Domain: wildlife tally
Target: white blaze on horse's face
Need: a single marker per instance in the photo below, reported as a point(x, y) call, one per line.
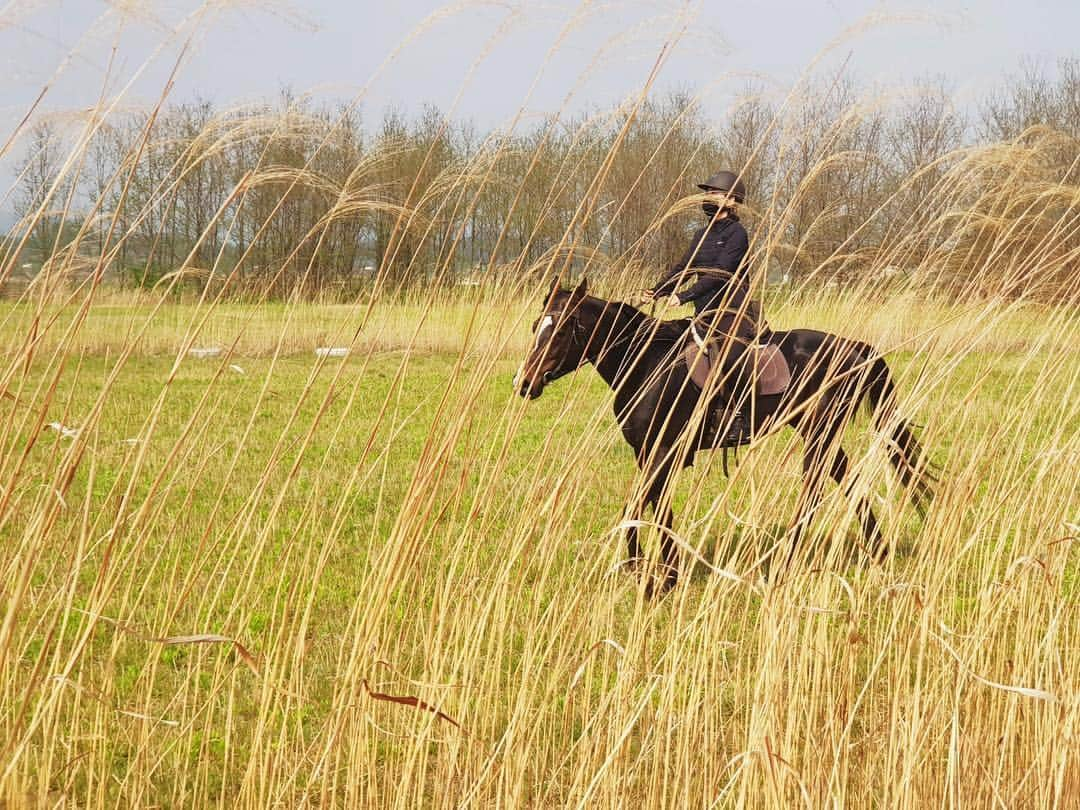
point(547, 323)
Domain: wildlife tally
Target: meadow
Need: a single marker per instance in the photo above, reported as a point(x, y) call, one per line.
point(238, 573)
point(265, 578)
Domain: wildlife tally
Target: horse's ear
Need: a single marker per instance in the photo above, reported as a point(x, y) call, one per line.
point(581, 290)
point(554, 285)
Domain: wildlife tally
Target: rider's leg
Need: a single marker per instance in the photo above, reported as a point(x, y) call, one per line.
point(737, 390)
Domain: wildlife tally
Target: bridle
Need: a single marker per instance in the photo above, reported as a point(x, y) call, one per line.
point(582, 337)
point(579, 329)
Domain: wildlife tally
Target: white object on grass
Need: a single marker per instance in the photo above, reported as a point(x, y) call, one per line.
point(64, 430)
point(237, 369)
point(331, 351)
point(208, 351)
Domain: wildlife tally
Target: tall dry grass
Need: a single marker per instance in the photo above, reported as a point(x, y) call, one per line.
point(385, 581)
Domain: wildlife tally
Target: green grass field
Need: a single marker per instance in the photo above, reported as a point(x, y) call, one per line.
point(238, 573)
point(329, 532)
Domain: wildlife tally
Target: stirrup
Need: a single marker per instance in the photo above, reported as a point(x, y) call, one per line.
point(738, 431)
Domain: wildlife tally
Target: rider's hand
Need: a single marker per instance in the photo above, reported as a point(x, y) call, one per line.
point(647, 296)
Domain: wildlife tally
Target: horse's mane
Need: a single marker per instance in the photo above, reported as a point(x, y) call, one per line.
point(669, 331)
point(655, 329)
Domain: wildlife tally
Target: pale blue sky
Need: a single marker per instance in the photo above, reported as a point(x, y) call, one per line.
point(246, 50)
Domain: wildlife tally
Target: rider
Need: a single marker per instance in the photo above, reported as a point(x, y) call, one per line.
point(724, 319)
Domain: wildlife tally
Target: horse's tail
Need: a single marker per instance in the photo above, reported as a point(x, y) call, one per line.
point(905, 452)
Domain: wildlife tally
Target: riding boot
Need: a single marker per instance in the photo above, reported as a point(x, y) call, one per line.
point(733, 416)
point(737, 424)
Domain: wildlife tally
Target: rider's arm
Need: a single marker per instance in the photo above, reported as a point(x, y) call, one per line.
point(723, 262)
point(675, 276)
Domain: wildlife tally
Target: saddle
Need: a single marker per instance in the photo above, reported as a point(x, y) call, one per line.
point(769, 369)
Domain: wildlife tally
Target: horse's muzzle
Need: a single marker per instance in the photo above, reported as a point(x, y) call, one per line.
point(532, 388)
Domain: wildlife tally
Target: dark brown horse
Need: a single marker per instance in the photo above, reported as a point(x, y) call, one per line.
point(657, 407)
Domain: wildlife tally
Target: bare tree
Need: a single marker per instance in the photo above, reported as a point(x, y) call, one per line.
point(37, 190)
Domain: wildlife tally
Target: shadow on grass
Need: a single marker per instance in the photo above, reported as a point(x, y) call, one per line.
point(771, 545)
point(756, 552)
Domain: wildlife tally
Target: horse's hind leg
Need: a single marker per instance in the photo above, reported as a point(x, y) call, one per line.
point(823, 454)
point(867, 521)
point(633, 547)
point(809, 498)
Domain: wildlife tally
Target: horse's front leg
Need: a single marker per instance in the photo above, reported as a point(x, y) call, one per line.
point(668, 550)
point(635, 514)
point(658, 476)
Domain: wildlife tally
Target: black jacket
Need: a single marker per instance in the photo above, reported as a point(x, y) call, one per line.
point(716, 257)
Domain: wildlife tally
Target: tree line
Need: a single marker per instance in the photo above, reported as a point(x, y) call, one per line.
point(294, 197)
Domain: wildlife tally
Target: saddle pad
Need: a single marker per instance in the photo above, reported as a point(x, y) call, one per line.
point(773, 374)
point(698, 363)
point(770, 368)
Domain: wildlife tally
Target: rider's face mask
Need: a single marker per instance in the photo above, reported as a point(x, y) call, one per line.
point(711, 206)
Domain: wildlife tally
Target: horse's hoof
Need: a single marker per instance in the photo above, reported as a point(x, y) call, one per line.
point(633, 564)
point(654, 592)
point(877, 551)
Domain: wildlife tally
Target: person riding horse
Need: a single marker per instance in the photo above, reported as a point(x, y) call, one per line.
point(725, 322)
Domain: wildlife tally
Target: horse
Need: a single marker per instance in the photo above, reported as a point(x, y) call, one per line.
point(657, 407)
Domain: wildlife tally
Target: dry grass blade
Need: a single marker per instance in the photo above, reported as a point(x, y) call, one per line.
point(1026, 691)
point(409, 700)
point(723, 573)
point(211, 638)
point(255, 375)
point(96, 695)
point(246, 656)
point(580, 671)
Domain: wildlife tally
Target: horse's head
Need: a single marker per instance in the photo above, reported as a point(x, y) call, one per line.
point(560, 340)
